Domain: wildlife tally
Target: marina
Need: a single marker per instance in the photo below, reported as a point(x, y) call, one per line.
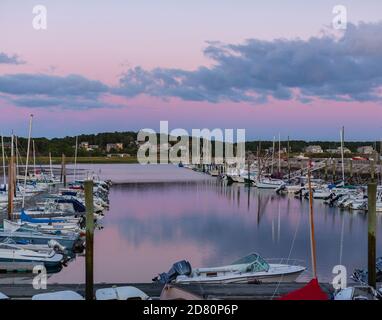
point(127, 223)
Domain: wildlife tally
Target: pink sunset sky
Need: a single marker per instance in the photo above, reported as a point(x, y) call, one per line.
point(267, 66)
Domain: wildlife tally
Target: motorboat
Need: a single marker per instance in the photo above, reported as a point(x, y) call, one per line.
point(269, 183)
point(249, 269)
point(362, 292)
point(26, 260)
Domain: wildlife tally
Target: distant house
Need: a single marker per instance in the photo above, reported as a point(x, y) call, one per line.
point(93, 147)
point(338, 150)
point(365, 150)
point(314, 149)
point(84, 145)
point(114, 146)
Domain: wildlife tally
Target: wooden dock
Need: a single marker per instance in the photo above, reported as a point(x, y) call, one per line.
point(266, 291)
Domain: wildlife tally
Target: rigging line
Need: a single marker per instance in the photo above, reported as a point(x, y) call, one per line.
point(290, 253)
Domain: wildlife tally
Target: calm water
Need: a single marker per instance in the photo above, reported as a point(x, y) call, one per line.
point(150, 225)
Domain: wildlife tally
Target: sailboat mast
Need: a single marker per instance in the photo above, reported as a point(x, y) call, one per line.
point(75, 159)
point(17, 157)
point(273, 153)
point(27, 160)
point(11, 186)
point(342, 132)
point(3, 155)
point(311, 222)
point(279, 154)
point(50, 164)
point(34, 159)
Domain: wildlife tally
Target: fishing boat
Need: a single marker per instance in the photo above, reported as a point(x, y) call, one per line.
point(249, 269)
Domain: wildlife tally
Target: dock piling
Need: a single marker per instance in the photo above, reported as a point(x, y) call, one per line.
point(371, 237)
point(89, 239)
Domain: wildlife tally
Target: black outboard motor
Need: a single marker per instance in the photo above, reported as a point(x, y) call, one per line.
point(182, 267)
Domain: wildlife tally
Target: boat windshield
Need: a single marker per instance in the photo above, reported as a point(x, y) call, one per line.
point(256, 261)
point(247, 259)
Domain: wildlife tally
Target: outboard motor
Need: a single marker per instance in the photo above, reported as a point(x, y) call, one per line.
point(182, 267)
point(56, 246)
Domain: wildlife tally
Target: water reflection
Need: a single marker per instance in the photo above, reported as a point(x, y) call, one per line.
point(151, 225)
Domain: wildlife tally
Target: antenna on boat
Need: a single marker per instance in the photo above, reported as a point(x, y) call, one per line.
point(342, 134)
point(27, 160)
point(311, 222)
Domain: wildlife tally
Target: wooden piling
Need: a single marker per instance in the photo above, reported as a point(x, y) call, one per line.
point(89, 239)
point(372, 218)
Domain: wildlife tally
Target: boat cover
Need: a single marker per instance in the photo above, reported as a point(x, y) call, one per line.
point(26, 218)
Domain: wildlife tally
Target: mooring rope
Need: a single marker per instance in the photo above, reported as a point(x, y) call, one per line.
point(290, 253)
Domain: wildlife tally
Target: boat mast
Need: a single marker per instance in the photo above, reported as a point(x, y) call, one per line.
point(11, 186)
point(3, 155)
point(75, 159)
point(273, 153)
point(311, 222)
point(34, 159)
point(342, 132)
point(17, 158)
point(27, 160)
point(50, 164)
point(279, 154)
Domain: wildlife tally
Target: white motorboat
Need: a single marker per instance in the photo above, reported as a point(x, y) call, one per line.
point(361, 292)
point(249, 269)
point(269, 183)
point(322, 194)
point(27, 259)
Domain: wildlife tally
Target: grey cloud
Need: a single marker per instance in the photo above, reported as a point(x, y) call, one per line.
point(49, 85)
point(348, 69)
point(41, 90)
point(7, 59)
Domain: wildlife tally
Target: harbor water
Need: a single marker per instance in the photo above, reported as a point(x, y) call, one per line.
point(160, 214)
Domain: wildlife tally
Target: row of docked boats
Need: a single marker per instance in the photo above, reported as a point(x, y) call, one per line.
point(341, 195)
point(52, 231)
